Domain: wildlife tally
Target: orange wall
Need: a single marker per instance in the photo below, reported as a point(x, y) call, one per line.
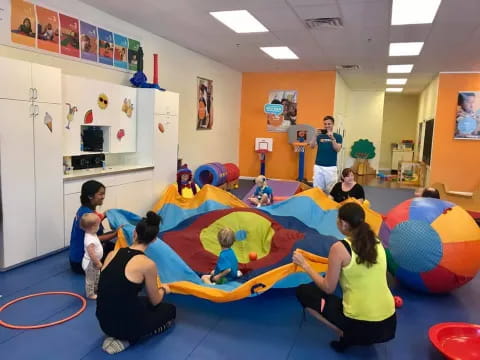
point(316, 93)
point(454, 162)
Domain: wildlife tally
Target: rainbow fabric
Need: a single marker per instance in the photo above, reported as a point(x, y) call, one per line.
point(187, 246)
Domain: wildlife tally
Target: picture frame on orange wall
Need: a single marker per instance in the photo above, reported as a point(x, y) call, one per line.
point(281, 122)
point(467, 117)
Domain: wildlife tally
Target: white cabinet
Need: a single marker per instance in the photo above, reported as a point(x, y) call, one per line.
point(400, 155)
point(30, 161)
point(31, 180)
point(98, 103)
point(130, 191)
point(157, 135)
point(18, 76)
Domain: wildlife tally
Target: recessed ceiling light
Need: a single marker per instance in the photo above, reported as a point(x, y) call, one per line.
point(406, 12)
point(279, 52)
point(405, 49)
point(394, 90)
point(240, 21)
point(399, 69)
point(396, 81)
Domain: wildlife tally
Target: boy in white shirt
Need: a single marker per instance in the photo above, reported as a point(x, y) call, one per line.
point(91, 263)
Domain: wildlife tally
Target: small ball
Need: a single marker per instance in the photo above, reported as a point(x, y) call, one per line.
point(398, 301)
point(252, 256)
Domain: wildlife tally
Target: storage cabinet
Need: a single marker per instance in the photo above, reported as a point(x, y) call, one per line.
point(400, 155)
point(130, 191)
point(30, 162)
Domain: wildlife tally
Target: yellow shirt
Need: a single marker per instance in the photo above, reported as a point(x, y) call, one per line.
point(366, 295)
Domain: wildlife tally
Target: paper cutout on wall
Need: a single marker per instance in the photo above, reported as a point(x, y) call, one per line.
point(71, 114)
point(161, 127)
point(23, 23)
point(120, 134)
point(127, 107)
point(48, 120)
point(102, 101)
point(88, 118)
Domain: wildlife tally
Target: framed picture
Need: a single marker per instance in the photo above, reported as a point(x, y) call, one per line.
point(467, 117)
point(287, 98)
point(204, 104)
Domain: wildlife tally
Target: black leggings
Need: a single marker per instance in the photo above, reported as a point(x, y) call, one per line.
point(355, 332)
point(155, 320)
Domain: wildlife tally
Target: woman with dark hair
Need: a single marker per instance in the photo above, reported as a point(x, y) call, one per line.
point(366, 314)
point(347, 188)
point(91, 196)
point(124, 316)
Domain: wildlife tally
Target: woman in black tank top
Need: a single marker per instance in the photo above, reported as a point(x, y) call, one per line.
point(124, 316)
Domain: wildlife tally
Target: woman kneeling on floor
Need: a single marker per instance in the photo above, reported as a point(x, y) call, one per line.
point(124, 316)
point(366, 314)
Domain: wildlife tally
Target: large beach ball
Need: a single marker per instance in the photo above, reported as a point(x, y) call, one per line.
point(432, 245)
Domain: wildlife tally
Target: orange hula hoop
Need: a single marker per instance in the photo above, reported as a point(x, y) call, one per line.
point(31, 327)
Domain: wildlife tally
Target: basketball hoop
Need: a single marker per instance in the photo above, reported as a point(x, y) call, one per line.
point(299, 146)
point(261, 153)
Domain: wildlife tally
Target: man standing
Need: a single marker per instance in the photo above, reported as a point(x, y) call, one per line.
point(329, 144)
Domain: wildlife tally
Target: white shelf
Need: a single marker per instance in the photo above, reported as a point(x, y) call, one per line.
point(78, 174)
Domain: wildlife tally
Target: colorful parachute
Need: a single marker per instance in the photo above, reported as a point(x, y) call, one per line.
point(188, 245)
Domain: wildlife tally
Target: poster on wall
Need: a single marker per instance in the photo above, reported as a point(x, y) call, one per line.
point(47, 29)
point(69, 36)
point(204, 104)
point(281, 122)
point(121, 48)
point(105, 46)
point(23, 23)
point(88, 41)
point(133, 46)
point(467, 123)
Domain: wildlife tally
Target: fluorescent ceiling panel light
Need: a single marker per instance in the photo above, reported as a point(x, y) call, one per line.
point(279, 52)
point(240, 21)
point(396, 81)
point(405, 49)
point(394, 90)
point(399, 69)
point(406, 12)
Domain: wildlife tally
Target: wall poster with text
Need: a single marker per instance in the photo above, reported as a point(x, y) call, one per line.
point(204, 104)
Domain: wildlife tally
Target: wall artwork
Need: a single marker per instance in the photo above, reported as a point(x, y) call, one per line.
point(23, 23)
point(88, 41)
point(48, 29)
point(48, 121)
point(281, 122)
point(133, 46)
point(105, 47)
point(204, 104)
point(467, 123)
point(69, 36)
point(121, 49)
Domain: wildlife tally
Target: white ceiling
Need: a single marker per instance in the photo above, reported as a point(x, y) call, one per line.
point(451, 42)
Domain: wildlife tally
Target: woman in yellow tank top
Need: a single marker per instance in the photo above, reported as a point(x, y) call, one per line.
point(366, 313)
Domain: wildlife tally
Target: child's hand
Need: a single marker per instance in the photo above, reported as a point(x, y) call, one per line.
point(99, 265)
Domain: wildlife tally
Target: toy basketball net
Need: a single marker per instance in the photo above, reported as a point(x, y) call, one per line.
point(299, 146)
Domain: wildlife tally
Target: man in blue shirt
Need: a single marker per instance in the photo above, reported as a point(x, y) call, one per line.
point(329, 144)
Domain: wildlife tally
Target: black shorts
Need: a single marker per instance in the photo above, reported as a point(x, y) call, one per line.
point(355, 332)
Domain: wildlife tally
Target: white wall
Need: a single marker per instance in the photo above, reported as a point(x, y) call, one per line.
point(399, 123)
point(340, 112)
point(178, 71)
point(364, 121)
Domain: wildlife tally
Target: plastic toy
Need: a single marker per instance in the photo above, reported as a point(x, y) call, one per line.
point(459, 341)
